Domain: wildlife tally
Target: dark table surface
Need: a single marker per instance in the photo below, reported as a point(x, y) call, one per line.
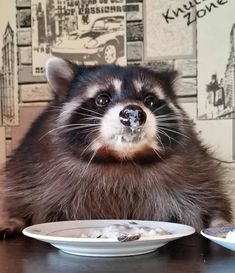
point(192, 254)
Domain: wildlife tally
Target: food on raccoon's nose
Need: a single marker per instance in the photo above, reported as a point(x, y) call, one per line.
point(124, 232)
point(132, 116)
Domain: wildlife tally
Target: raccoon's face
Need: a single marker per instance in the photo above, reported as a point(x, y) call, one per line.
point(111, 112)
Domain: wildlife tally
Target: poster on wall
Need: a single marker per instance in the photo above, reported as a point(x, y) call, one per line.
point(170, 42)
point(170, 36)
point(216, 61)
point(85, 31)
point(8, 65)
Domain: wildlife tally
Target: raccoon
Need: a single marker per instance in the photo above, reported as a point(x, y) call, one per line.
point(113, 144)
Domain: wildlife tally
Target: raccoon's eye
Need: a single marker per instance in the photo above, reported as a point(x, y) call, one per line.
point(102, 99)
point(151, 101)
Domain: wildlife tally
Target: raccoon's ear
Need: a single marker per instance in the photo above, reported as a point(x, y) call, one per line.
point(171, 76)
point(59, 74)
point(172, 79)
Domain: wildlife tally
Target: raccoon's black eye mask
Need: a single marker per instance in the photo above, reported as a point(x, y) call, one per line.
point(103, 99)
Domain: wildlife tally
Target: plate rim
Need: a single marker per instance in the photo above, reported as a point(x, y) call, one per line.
point(50, 238)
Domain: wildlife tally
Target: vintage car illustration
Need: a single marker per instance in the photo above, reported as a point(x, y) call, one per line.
point(104, 42)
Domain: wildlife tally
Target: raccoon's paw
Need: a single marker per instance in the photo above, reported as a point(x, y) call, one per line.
point(11, 228)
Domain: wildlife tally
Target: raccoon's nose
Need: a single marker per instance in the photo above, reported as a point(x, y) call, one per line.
point(132, 116)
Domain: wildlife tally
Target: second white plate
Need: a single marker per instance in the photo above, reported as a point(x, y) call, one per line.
point(214, 234)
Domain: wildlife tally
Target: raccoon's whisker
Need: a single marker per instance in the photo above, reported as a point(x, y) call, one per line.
point(159, 108)
point(93, 155)
point(165, 134)
point(93, 125)
point(169, 116)
point(167, 124)
point(173, 131)
point(87, 166)
point(167, 119)
point(83, 125)
point(169, 137)
point(76, 111)
point(90, 131)
point(90, 144)
point(165, 128)
point(179, 143)
point(170, 124)
point(159, 131)
point(92, 111)
point(170, 121)
point(159, 139)
point(173, 123)
point(88, 115)
point(79, 127)
point(87, 147)
point(95, 120)
point(56, 107)
point(53, 110)
point(89, 119)
point(47, 133)
point(181, 127)
point(65, 126)
point(78, 124)
point(157, 153)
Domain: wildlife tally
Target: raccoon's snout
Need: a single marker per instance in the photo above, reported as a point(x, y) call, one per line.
point(132, 116)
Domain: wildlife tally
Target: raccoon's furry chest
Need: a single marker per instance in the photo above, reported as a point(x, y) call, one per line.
point(124, 191)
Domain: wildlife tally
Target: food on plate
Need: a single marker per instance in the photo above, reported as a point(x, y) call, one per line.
point(226, 232)
point(124, 232)
point(231, 235)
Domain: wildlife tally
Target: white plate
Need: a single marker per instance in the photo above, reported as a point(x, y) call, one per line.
point(214, 234)
point(64, 235)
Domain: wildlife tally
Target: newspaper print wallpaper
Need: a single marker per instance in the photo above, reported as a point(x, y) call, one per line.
point(194, 37)
point(74, 30)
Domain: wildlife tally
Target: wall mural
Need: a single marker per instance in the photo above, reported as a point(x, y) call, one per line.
point(88, 33)
point(8, 66)
point(216, 63)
